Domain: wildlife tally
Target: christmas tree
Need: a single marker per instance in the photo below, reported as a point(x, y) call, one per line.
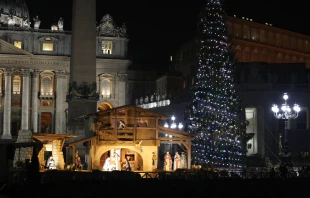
point(215, 108)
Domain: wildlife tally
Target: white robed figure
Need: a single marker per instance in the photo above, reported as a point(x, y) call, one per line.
point(51, 163)
point(183, 161)
point(177, 161)
point(107, 165)
point(113, 162)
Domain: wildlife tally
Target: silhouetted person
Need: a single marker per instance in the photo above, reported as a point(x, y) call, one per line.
point(272, 173)
point(308, 171)
point(33, 173)
point(283, 171)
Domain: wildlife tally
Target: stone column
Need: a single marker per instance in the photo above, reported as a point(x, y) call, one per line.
point(1, 102)
point(83, 42)
point(34, 101)
point(58, 154)
point(7, 105)
point(98, 81)
point(39, 120)
point(52, 129)
point(25, 100)
point(82, 61)
point(60, 96)
point(122, 79)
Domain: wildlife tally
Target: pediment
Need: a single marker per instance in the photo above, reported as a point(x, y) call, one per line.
point(7, 48)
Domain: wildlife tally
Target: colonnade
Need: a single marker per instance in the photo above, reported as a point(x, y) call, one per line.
point(29, 100)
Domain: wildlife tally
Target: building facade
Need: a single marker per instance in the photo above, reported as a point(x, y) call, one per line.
point(35, 68)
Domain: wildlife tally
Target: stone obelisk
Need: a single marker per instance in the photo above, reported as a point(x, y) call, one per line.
point(82, 97)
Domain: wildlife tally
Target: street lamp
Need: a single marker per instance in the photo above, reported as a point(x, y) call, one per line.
point(173, 124)
point(286, 113)
point(180, 126)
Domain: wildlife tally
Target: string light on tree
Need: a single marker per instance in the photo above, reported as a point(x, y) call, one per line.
point(214, 112)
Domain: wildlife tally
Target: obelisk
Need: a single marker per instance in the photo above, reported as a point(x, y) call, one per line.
point(82, 98)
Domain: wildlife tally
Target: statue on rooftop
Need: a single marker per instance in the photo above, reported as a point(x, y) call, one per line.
point(123, 30)
point(37, 22)
point(26, 23)
point(10, 20)
point(60, 24)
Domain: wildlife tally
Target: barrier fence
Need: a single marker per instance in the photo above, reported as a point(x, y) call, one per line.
point(55, 176)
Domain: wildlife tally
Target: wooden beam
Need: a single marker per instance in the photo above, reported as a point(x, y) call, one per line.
point(186, 146)
point(170, 142)
point(134, 124)
point(166, 130)
point(172, 138)
point(143, 117)
point(141, 128)
point(81, 141)
point(189, 155)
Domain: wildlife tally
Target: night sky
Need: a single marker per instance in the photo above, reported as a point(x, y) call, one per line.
point(156, 29)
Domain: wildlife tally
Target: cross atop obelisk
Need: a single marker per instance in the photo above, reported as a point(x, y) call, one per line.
point(82, 97)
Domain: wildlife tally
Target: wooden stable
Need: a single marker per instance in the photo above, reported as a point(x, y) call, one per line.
point(52, 144)
point(139, 138)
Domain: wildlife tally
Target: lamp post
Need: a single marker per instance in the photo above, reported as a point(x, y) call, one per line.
point(286, 113)
point(173, 124)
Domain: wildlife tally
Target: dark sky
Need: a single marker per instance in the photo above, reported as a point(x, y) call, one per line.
point(156, 29)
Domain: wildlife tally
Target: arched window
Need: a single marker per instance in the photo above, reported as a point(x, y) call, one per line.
point(105, 88)
point(46, 85)
point(16, 85)
point(238, 53)
point(264, 56)
point(247, 55)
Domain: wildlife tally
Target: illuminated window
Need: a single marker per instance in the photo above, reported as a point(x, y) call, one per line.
point(46, 103)
point(105, 88)
point(18, 44)
point(47, 38)
point(16, 102)
point(48, 47)
point(107, 47)
point(251, 128)
point(46, 86)
point(254, 34)
point(16, 85)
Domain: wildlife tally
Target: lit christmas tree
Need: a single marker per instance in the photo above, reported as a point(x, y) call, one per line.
point(213, 115)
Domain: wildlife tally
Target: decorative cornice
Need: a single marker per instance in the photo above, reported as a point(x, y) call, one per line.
point(35, 73)
point(8, 72)
point(25, 72)
point(9, 61)
point(122, 77)
point(61, 74)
